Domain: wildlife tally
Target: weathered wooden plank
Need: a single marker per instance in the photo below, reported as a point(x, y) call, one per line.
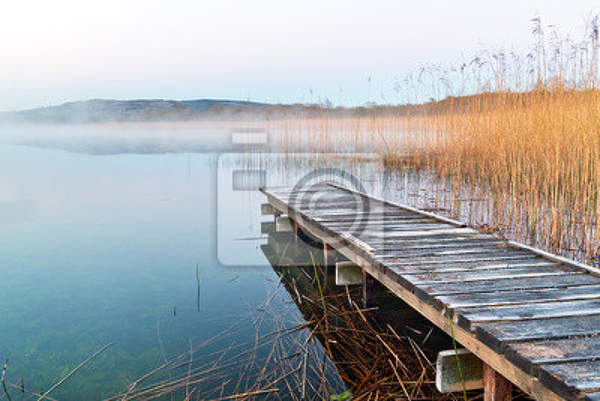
point(467, 317)
point(571, 380)
point(312, 188)
point(399, 206)
point(460, 266)
point(318, 204)
point(529, 355)
point(499, 258)
point(499, 274)
point(426, 241)
point(417, 233)
point(521, 296)
point(375, 216)
point(344, 211)
point(417, 246)
point(408, 253)
point(324, 196)
point(379, 227)
point(348, 208)
point(301, 198)
point(559, 281)
point(330, 195)
point(368, 221)
point(498, 335)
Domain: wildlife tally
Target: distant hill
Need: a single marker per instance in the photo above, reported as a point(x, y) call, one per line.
point(98, 110)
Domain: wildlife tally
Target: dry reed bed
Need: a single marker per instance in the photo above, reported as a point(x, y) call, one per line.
point(514, 146)
point(534, 158)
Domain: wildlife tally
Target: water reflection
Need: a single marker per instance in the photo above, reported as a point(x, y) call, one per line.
point(108, 243)
point(385, 350)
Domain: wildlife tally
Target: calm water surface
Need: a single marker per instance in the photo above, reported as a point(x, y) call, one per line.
point(103, 244)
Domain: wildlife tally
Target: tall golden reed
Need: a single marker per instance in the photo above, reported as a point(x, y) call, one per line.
point(522, 131)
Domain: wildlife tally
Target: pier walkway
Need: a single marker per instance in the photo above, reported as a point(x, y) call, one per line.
point(533, 318)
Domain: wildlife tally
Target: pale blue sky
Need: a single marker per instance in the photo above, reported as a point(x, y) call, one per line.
point(263, 50)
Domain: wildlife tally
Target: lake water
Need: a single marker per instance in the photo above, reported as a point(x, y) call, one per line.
point(140, 244)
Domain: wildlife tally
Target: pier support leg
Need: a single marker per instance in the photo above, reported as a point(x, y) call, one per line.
point(369, 286)
point(296, 229)
point(328, 262)
point(328, 256)
point(495, 386)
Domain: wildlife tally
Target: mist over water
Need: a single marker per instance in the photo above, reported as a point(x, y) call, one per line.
point(101, 229)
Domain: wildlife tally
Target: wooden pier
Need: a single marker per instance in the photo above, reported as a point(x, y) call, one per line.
point(531, 317)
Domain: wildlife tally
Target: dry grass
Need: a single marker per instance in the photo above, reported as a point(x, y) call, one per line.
point(536, 156)
point(519, 134)
point(337, 350)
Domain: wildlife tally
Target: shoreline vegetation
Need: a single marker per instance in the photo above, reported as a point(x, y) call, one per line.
point(525, 144)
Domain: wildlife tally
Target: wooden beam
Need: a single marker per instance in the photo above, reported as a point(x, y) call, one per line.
point(283, 224)
point(348, 273)
point(328, 255)
point(495, 386)
point(449, 378)
point(369, 294)
point(267, 209)
point(267, 227)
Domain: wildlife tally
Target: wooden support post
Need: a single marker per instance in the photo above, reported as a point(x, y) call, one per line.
point(328, 263)
point(328, 256)
point(495, 386)
point(296, 229)
point(369, 296)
